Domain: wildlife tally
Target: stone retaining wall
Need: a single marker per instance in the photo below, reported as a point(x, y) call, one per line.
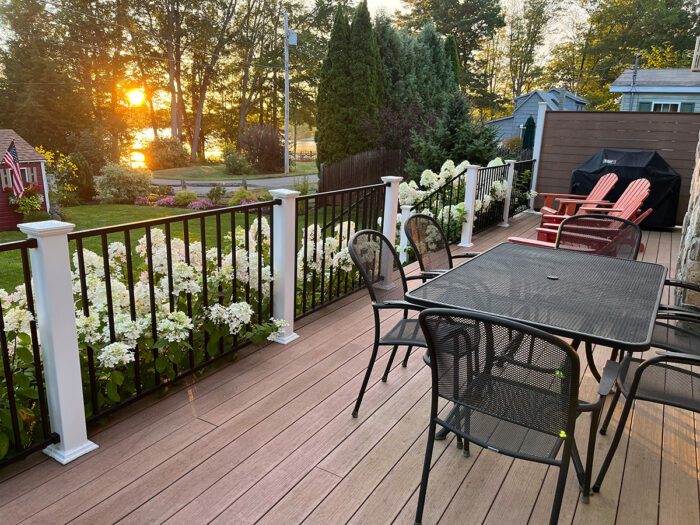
point(689, 256)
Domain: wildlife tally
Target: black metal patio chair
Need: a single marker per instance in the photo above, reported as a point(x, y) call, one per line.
point(663, 378)
point(600, 235)
point(430, 245)
point(515, 390)
point(382, 272)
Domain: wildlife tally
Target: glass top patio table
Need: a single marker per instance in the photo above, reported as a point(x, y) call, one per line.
point(580, 296)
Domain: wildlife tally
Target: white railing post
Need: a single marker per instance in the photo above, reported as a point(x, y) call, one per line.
point(537, 148)
point(469, 198)
point(284, 254)
point(391, 206)
point(403, 242)
point(509, 193)
point(55, 311)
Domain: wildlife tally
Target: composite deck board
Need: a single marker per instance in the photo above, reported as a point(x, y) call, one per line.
point(269, 439)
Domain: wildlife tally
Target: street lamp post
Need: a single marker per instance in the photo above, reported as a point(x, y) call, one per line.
point(290, 39)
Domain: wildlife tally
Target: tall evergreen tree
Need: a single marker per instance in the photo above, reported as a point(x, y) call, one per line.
point(366, 81)
point(38, 98)
point(334, 95)
point(434, 72)
point(453, 56)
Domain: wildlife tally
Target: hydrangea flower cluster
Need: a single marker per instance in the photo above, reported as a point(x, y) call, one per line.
point(322, 251)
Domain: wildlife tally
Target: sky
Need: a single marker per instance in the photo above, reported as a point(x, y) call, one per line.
point(389, 6)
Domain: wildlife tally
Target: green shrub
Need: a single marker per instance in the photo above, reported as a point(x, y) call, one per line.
point(513, 143)
point(184, 197)
point(36, 216)
point(86, 178)
point(240, 196)
point(235, 164)
point(217, 193)
point(165, 153)
point(302, 185)
point(163, 190)
point(122, 185)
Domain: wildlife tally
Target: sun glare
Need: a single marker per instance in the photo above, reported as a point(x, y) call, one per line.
point(137, 160)
point(135, 97)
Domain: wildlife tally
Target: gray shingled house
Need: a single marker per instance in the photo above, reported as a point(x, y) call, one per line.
point(557, 99)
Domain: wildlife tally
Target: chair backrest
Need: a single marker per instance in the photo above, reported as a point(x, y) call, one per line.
point(503, 369)
point(379, 265)
point(600, 235)
point(632, 199)
point(601, 189)
point(428, 242)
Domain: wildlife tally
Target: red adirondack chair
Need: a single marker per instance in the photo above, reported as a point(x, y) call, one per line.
point(628, 206)
point(568, 202)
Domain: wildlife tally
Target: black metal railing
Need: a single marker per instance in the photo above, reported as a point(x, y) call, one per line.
point(160, 299)
point(445, 197)
point(24, 419)
point(490, 208)
point(522, 183)
point(325, 222)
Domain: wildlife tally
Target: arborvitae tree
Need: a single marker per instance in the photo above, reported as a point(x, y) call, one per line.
point(434, 73)
point(398, 60)
point(335, 95)
point(456, 136)
point(452, 56)
point(366, 81)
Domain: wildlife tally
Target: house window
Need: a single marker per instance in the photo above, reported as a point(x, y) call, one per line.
point(666, 107)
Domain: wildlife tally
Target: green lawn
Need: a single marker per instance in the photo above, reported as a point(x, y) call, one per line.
point(218, 172)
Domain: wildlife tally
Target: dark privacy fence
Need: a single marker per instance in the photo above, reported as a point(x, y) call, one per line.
point(362, 169)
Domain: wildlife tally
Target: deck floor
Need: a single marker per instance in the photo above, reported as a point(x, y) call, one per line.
point(270, 439)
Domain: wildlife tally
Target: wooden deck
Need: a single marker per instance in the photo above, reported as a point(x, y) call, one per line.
point(270, 439)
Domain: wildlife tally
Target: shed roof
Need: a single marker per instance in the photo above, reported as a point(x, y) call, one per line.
point(671, 80)
point(25, 151)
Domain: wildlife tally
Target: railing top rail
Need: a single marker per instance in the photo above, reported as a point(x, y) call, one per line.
point(500, 167)
point(17, 245)
point(441, 188)
point(173, 218)
point(337, 192)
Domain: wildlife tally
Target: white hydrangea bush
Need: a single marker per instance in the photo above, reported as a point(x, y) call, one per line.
point(324, 263)
point(150, 321)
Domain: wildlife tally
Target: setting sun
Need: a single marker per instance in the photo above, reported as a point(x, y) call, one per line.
point(136, 97)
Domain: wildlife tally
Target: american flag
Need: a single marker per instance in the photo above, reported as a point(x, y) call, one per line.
point(12, 160)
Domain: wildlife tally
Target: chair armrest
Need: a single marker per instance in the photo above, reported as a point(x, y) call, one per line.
point(565, 195)
point(682, 284)
point(402, 305)
point(421, 276)
point(680, 357)
point(577, 201)
point(679, 315)
point(467, 255)
point(604, 210)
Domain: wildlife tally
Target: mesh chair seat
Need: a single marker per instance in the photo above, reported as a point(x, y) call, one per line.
point(664, 383)
point(675, 338)
point(405, 332)
point(501, 396)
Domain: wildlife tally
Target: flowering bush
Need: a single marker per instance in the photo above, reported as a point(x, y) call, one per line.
point(160, 334)
point(324, 262)
point(165, 202)
point(62, 177)
point(30, 201)
point(142, 201)
point(201, 204)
